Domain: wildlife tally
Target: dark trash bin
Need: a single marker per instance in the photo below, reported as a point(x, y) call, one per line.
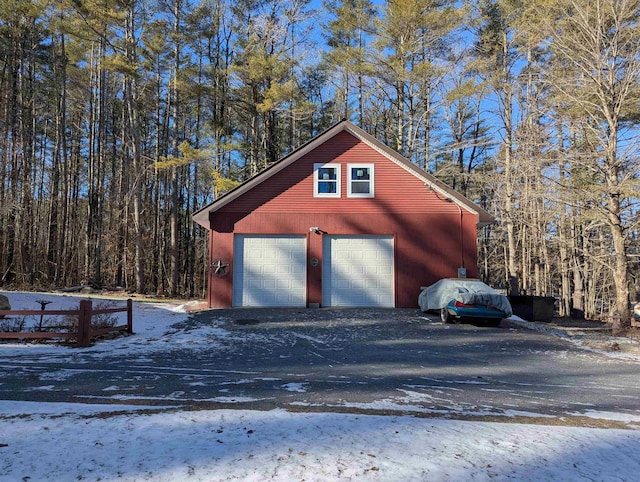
point(533, 308)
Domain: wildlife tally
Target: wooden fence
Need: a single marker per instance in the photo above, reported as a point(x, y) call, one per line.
point(85, 331)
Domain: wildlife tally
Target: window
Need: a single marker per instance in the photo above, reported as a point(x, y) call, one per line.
point(360, 182)
point(326, 180)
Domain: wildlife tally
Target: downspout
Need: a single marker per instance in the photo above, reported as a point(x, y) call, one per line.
point(462, 265)
point(209, 273)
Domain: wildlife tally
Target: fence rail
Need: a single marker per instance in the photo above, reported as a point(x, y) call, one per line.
point(85, 332)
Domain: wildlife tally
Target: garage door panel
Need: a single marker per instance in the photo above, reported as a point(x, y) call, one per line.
point(284, 284)
point(373, 270)
point(255, 284)
point(358, 271)
point(357, 284)
point(269, 271)
point(267, 284)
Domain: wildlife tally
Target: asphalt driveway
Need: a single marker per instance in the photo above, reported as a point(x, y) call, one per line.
point(370, 360)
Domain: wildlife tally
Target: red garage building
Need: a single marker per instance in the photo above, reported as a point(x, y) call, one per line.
point(341, 221)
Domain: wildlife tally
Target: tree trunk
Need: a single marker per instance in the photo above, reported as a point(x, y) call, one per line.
point(174, 249)
point(134, 135)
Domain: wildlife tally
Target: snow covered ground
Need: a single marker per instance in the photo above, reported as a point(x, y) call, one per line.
point(84, 444)
point(65, 442)
point(152, 326)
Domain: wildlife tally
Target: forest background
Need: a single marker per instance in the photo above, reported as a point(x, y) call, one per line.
point(120, 118)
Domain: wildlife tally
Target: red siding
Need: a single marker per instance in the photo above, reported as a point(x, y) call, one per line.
point(433, 236)
point(395, 189)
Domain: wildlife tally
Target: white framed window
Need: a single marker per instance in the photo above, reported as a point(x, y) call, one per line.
point(360, 181)
point(326, 180)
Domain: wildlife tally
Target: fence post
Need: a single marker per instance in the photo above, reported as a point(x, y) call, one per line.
point(84, 324)
point(130, 316)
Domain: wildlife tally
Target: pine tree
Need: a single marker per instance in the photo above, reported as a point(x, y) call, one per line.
point(348, 58)
point(413, 40)
point(264, 67)
point(498, 52)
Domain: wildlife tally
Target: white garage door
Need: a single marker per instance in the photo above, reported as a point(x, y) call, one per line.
point(269, 271)
point(357, 271)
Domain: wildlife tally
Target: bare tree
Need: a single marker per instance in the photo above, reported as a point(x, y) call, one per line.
point(597, 47)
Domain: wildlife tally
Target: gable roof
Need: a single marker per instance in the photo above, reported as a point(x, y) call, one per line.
point(202, 216)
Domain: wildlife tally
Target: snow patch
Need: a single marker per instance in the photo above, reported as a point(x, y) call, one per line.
point(618, 417)
point(277, 445)
point(296, 387)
